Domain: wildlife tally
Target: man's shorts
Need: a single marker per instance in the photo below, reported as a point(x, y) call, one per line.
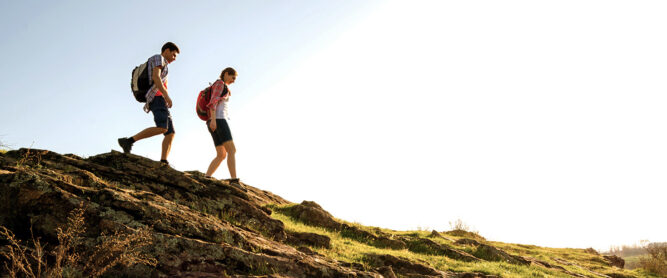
point(161, 114)
point(222, 133)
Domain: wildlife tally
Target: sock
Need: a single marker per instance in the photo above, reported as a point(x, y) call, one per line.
point(131, 140)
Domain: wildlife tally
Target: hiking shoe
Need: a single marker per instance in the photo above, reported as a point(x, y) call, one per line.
point(237, 183)
point(164, 163)
point(125, 144)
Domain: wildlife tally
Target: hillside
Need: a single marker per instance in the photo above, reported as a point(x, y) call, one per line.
point(180, 224)
point(633, 255)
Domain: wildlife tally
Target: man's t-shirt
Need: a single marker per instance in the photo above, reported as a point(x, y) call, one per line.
point(154, 61)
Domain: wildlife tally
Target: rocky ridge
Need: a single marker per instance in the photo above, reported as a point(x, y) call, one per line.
point(202, 227)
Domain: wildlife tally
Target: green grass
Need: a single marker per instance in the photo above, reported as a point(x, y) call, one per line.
point(349, 249)
point(632, 262)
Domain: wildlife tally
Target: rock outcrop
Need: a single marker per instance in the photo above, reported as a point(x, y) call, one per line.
point(426, 246)
point(199, 227)
point(491, 253)
point(436, 234)
point(313, 214)
point(403, 266)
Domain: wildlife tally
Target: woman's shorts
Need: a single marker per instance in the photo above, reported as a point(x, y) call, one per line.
point(222, 133)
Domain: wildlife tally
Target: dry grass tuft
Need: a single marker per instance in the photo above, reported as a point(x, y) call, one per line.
point(20, 258)
point(461, 229)
point(121, 248)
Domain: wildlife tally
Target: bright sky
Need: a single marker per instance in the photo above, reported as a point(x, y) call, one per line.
point(535, 122)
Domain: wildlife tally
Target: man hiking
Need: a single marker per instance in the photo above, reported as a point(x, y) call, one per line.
point(157, 101)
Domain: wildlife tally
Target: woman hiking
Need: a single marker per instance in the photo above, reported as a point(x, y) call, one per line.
point(219, 128)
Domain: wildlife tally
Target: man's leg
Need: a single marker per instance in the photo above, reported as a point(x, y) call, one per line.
point(166, 145)
point(231, 157)
point(126, 143)
point(168, 138)
point(162, 125)
point(220, 154)
point(149, 132)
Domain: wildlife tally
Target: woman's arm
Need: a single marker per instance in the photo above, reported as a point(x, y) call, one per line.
point(212, 124)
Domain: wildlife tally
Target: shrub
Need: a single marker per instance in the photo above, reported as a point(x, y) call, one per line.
point(3, 148)
point(656, 260)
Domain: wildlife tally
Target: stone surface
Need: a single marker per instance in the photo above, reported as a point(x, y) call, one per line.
point(553, 266)
point(370, 238)
point(427, 246)
point(491, 253)
point(199, 227)
point(403, 266)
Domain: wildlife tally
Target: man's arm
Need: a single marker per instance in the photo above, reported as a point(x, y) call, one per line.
point(158, 82)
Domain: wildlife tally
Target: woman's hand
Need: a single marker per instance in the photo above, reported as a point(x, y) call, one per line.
point(213, 125)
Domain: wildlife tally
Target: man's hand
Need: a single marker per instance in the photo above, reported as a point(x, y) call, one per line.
point(213, 125)
point(160, 86)
point(168, 100)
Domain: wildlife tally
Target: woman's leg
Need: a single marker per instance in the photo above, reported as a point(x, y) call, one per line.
point(231, 159)
point(220, 154)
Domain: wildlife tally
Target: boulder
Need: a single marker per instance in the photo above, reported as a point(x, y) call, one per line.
point(310, 239)
point(312, 214)
point(614, 260)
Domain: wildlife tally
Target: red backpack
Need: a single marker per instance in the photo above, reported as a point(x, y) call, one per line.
point(204, 99)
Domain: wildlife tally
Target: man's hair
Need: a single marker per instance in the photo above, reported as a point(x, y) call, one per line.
point(229, 71)
point(171, 46)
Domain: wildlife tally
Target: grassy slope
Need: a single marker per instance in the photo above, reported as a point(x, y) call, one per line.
point(350, 250)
